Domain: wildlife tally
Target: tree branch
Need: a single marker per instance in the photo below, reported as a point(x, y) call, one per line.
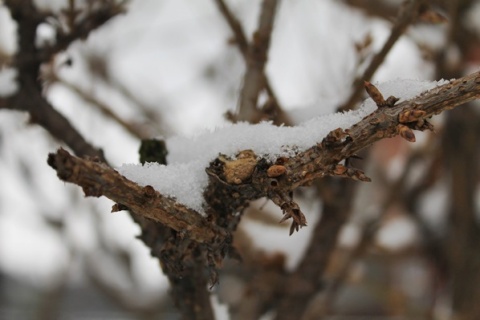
point(98, 179)
point(226, 196)
point(248, 52)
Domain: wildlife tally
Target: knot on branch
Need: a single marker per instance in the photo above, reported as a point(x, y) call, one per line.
point(240, 169)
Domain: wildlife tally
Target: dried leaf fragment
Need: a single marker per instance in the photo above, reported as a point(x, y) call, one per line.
point(290, 210)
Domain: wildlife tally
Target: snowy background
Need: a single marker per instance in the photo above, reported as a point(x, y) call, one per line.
point(171, 58)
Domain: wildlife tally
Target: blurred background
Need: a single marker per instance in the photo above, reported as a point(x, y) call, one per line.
point(408, 246)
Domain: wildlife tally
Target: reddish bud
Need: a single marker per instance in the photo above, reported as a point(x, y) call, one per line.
point(375, 94)
point(406, 133)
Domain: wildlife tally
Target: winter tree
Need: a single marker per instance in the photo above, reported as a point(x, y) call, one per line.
point(263, 159)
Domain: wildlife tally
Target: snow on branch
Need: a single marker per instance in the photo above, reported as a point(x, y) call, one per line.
point(185, 179)
point(270, 161)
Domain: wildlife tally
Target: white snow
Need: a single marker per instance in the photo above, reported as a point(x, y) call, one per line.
point(46, 35)
point(8, 41)
point(184, 177)
point(28, 243)
point(397, 233)
point(8, 82)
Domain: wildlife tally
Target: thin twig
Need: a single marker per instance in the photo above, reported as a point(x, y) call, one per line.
point(236, 27)
point(106, 110)
point(254, 80)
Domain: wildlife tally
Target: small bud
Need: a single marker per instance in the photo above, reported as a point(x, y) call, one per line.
point(149, 191)
point(339, 169)
point(391, 101)
point(357, 175)
point(406, 133)
point(276, 171)
point(375, 94)
point(411, 116)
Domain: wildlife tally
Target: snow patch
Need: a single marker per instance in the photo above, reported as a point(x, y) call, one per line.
point(8, 83)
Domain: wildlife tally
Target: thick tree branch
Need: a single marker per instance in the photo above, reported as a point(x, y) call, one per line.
point(98, 179)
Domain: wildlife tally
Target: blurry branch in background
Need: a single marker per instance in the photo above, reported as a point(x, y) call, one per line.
point(255, 56)
point(383, 9)
point(99, 67)
point(395, 191)
point(77, 23)
point(460, 160)
point(254, 81)
point(28, 59)
point(134, 129)
point(407, 15)
point(30, 96)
